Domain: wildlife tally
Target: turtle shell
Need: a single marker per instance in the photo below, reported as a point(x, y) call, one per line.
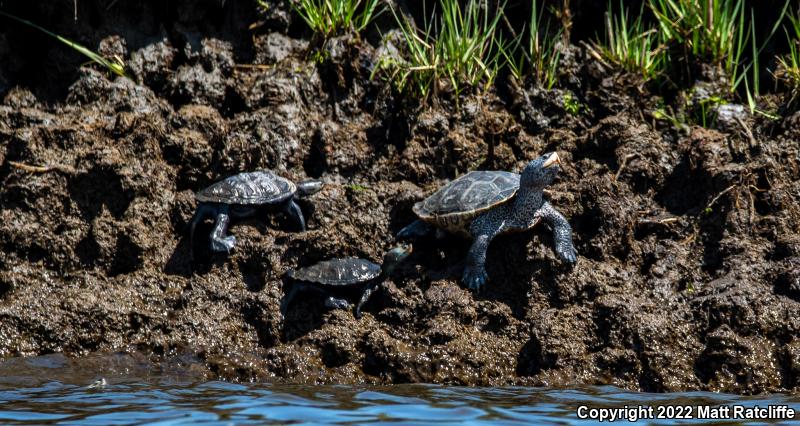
point(454, 205)
point(253, 188)
point(338, 272)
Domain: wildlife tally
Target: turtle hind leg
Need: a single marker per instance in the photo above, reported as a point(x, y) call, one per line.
point(562, 233)
point(299, 286)
point(220, 242)
point(293, 211)
point(416, 230)
point(289, 297)
point(365, 295)
point(475, 275)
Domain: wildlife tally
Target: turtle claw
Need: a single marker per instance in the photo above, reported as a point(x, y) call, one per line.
point(223, 245)
point(475, 278)
point(336, 303)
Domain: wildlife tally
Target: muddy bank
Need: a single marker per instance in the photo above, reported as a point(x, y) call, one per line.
point(688, 241)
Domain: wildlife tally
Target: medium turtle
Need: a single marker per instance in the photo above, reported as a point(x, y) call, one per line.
point(245, 195)
point(484, 204)
point(341, 276)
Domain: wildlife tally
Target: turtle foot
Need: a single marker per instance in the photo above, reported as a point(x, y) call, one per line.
point(336, 303)
point(567, 254)
point(475, 278)
point(223, 245)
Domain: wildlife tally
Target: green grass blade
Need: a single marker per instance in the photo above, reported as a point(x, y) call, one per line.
point(114, 66)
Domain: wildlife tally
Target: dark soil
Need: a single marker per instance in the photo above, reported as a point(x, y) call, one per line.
point(689, 241)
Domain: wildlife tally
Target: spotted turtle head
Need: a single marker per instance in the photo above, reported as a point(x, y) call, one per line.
point(541, 171)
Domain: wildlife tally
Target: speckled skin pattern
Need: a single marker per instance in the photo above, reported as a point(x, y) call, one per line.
point(520, 212)
point(328, 275)
point(245, 195)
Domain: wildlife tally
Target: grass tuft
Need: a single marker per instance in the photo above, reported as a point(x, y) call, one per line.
point(714, 32)
point(540, 56)
point(460, 51)
point(789, 65)
point(752, 82)
point(630, 44)
point(114, 65)
point(709, 30)
point(334, 17)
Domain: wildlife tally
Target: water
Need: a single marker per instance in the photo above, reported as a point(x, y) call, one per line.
point(38, 391)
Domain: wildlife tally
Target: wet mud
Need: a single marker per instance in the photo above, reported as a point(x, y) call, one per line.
point(689, 239)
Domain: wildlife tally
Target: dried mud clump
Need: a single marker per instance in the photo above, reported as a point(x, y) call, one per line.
point(689, 255)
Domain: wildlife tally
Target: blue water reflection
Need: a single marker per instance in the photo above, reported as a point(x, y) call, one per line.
point(153, 400)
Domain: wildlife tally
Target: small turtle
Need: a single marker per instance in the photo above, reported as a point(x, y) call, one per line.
point(484, 204)
point(349, 275)
point(245, 195)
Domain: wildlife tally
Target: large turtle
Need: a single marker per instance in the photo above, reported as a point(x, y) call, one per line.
point(336, 277)
point(484, 204)
point(245, 195)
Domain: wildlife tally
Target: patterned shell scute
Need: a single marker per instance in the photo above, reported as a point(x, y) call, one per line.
point(339, 272)
point(475, 190)
point(263, 187)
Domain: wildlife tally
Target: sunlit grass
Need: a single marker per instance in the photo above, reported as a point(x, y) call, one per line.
point(538, 56)
point(630, 44)
point(458, 50)
point(714, 32)
point(789, 64)
point(333, 17)
point(709, 30)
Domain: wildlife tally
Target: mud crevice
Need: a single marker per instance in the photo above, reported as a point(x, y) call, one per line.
point(98, 188)
point(127, 257)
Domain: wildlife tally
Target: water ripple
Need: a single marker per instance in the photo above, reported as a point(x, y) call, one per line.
point(144, 403)
point(55, 390)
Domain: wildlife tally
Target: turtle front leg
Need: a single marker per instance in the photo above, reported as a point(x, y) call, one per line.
point(294, 212)
point(365, 297)
point(562, 233)
point(221, 243)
